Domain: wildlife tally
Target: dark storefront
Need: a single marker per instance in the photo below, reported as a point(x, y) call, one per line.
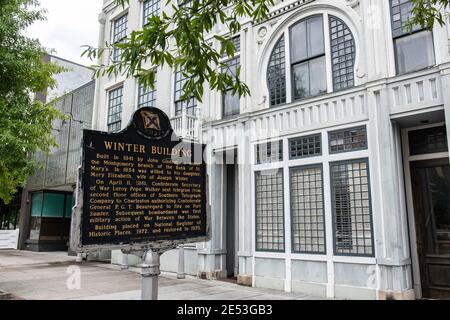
point(50, 221)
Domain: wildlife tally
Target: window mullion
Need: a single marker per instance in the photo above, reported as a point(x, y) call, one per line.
point(328, 64)
point(288, 67)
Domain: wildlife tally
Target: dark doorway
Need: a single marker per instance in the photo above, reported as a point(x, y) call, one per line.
point(431, 191)
point(231, 217)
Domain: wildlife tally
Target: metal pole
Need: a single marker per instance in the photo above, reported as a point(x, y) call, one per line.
point(150, 272)
point(181, 273)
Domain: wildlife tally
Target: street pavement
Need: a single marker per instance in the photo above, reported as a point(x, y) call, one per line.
point(56, 276)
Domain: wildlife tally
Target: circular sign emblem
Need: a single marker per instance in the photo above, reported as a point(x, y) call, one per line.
point(152, 123)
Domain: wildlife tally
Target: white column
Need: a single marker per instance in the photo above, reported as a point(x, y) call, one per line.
point(388, 208)
point(97, 112)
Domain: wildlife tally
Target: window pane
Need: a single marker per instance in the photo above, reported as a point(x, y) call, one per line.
point(269, 211)
point(427, 141)
point(299, 49)
point(69, 205)
point(147, 96)
point(414, 52)
point(307, 39)
point(342, 54)
point(269, 152)
point(276, 74)
point(120, 28)
point(308, 214)
point(151, 8)
point(316, 44)
point(231, 104)
point(352, 216)
point(401, 12)
point(53, 205)
point(305, 146)
point(237, 43)
point(348, 140)
point(37, 199)
point(300, 76)
point(318, 82)
point(310, 78)
point(190, 104)
point(115, 110)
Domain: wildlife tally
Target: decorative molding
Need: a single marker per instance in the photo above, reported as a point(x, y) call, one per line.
point(352, 3)
point(282, 10)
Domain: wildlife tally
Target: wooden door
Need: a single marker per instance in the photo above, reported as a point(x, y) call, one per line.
point(431, 188)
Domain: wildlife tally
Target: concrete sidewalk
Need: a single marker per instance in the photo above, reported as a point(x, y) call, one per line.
point(53, 276)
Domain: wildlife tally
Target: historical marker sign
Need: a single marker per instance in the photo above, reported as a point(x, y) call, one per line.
point(142, 188)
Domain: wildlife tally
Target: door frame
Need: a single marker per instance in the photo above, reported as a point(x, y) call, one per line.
point(417, 214)
point(407, 160)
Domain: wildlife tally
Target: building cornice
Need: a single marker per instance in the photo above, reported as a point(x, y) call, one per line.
point(285, 9)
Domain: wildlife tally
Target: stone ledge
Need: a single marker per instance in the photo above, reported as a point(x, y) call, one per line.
point(396, 295)
point(212, 275)
point(244, 280)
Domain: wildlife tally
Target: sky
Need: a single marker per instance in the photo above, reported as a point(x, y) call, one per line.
point(70, 24)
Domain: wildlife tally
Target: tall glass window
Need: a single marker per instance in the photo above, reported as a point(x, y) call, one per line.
point(150, 8)
point(269, 211)
point(119, 33)
point(352, 215)
point(190, 105)
point(230, 101)
point(414, 48)
point(147, 96)
point(308, 58)
point(115, 109)
point(307, 209)
point(276, 74)
point(342, 54)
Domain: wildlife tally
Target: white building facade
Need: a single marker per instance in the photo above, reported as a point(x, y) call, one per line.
point(332, 178)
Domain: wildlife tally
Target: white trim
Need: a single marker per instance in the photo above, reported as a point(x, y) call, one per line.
point(117, 15)
point(287, 215)
point(430, 156)
point(107, 92)
point(253, 222)
point(288, 71)
point(329, 235)
point(327, 43)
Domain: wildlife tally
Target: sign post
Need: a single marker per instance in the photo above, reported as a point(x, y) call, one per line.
point(150, 272)
point(141, 189)
point(181, 273)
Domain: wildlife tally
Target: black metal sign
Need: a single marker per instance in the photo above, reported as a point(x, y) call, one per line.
point(141, 188)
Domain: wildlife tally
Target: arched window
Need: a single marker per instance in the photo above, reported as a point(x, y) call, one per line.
point(276, 74)
point(309, 60)
point(342, 54)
